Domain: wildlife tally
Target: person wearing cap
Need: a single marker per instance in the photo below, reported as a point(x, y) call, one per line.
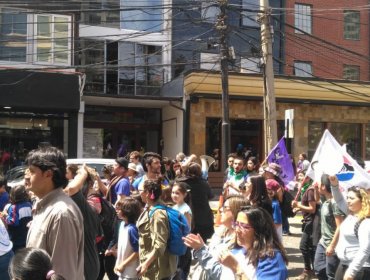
point(273, 171)
point(272, 187)
point(119, 186)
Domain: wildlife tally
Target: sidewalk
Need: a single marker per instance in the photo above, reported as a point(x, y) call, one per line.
point(291, 244)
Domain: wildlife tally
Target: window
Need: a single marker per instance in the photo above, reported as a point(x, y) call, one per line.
point(367, 141)
point(147, 17)
point(210, 61)
point(140, 70)
point(210, 11)
point(351, 72)
point(250, 18)
point(352, 25)
point(250, 65)
point(49, 39)
point(302, 18)
point(13, 36)
point(302, 69)
point(52, 39)
point(344, 133)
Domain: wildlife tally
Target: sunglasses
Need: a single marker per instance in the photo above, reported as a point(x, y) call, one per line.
point(241, 225)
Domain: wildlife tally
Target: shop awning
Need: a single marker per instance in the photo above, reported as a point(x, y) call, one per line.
point(289, 89)
point(40, 90)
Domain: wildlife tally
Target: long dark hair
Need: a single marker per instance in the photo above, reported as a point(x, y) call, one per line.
point(259, 191)
point(32, 264)
point(266, 240)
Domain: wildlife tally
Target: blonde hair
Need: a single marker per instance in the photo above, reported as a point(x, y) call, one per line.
point(365, 202)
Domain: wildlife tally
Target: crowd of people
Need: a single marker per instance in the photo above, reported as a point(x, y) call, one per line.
point(66, 222)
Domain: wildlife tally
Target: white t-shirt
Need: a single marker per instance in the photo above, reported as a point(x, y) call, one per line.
point(5, 244)
point(183, 208)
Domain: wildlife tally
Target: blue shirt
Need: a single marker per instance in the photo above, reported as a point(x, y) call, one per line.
point(121, 188)
point(276, 212)
point(4, 199)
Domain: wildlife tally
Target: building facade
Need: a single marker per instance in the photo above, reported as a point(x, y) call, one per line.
point(327, 39)
point(317, 105)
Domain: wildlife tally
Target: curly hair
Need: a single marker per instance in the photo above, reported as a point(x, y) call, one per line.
point(365, 202)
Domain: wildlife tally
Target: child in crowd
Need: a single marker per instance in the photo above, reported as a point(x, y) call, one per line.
point(32, 264)
point(179, 195)
point(129, 211)
point(272, 188)
point(18, 216)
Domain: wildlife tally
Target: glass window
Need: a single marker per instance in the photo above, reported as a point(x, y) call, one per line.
point(302, 69)
point(13, 35)
point(92, 53)
point(367, 141)
point(52, 39)
point(352, 25)
point(302, 18)
point(351, 72)
point(250, 65)
point(250, 18)
point(210, 61)
point(147, 17)
point(140, 70)
point(316, 130)
point(210, 11)
point(348, 133)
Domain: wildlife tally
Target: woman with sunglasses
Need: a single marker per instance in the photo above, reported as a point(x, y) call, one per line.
point(222, 240)
point(265, 256)
point(353, 248)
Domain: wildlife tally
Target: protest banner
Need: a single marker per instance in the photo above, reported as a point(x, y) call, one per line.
point(330, 158)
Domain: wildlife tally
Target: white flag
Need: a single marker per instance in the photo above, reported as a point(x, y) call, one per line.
point(330, 158)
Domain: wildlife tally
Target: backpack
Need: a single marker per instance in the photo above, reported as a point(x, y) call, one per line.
point(179, 228)
point(286, 204)
point(107, 217)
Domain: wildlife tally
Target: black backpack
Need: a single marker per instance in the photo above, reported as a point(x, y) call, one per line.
point(107, 217)
point(286, 204)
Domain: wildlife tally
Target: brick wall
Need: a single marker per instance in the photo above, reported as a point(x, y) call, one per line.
point(327, 24)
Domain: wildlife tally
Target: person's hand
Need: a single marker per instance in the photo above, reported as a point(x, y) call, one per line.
point(119, 269)
point(330, 250)
point(108, 253)
point(193, 241)
point(142, 269)
point(347, 277)
point(229, 261)
point(294, 204)
point(333, 181)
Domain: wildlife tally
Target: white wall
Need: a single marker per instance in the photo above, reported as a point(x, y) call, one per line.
point(172, 131)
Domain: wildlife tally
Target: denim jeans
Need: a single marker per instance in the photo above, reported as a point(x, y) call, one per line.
point(285, 223)
point(4, 265)
point(325, 266)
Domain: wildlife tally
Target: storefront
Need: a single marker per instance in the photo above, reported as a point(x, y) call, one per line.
point(37, 109)
point(342, 107)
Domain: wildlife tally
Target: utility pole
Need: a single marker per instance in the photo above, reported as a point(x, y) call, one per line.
point(221, 26)
point(269, 105)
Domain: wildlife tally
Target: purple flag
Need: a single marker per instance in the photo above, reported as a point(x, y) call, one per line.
point(280, 156)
